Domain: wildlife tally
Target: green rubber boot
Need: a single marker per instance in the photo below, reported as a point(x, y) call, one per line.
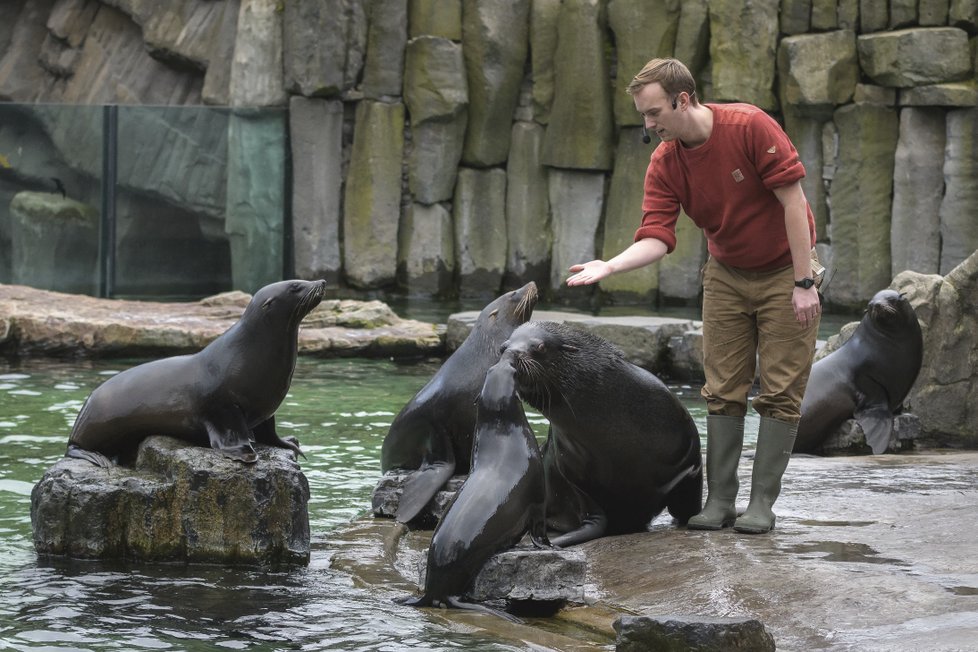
point(724, 440)
point(775, 440)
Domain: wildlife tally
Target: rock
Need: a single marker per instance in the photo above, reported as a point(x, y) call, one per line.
point(580, 132)
point(954, 94)
point(495, 40)
point(528, 223)
point(435, 18)
point(317, 180)
point(796, 16)
point(959, 229)
point(904, 58)
point(692, 37)
point(256, 67)
point(849, 438)
point(436, 95)
point(643, 30)
point(178, 503)
point(387, 496)
point(479, 215)
point(943, 396)
point(696, 634)
point(372, 195)
point(743, 45)
point(39, 322)
point(323, 46)
point(648, 342)
point(818, 72)
point(622, 218)
point(383, 67)
point(915, 241)
point(543, 49)
point(860, 197)
point(577, 201)
point(525, 574)
point(426, 250)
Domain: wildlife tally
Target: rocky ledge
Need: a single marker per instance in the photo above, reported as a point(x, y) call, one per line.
point(40, 322)
point(176, 503)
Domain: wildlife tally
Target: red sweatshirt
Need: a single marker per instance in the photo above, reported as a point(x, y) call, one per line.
point(725, 186)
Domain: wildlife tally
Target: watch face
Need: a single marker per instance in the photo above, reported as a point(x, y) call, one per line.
point(805, 283)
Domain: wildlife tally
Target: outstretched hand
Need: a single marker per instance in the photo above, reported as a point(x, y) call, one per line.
point(588, 273)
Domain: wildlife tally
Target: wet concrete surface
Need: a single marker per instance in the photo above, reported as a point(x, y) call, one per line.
point(876, 553)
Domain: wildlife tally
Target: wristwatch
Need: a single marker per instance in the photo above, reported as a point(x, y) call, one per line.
point(805, 283)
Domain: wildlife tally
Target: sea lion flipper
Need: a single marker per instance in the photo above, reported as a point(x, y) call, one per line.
point(231, 436)
point(877, 424)
point(96, 458)
point(422, 487)
point(265, 433)
point(457, 603)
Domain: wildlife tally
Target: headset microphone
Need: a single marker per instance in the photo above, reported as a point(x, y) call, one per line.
point(646, 138)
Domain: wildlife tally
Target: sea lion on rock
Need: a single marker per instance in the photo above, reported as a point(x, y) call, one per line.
point(224, 396)
point(621, 446)
point(432, 434)
point(867, 378)
point(501, 500)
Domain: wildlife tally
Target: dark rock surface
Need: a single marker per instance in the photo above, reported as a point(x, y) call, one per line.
point(177, 503)
point(685, 634)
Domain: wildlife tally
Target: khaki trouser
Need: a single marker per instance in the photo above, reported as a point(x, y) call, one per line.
point(748, 321)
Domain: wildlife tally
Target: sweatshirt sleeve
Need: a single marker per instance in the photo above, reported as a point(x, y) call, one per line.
point(775, 157)
point(660, 208)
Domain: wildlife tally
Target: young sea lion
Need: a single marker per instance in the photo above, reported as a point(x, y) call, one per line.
point(501, 500)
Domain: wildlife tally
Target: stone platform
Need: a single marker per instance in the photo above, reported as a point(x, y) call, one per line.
point(177, 503)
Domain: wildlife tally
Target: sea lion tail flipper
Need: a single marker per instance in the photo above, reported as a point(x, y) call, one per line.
point(877, 424)
point(98, 459)
point(456, 603)
point(422, 487)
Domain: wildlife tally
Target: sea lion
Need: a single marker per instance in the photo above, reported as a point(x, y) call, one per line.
point(224, 396)
point(432, 434)
point(621, 446)
point(867, 378)
point(501, 500)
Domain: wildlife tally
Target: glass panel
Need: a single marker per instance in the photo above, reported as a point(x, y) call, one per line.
point(50, 196)
point(199, 199)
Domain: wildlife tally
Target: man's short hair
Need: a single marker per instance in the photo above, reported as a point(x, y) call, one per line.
point(671, 74)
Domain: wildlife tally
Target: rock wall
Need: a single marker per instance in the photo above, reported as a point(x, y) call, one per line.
point(448, 147)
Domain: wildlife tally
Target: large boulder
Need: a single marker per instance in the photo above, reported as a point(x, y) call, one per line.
point(580, 132)
point(383, 67)
point(527, 208)
point(959, 228)
point(495, 39)
point(743, 44)
point(479, 215)
point(943, 396)
point(324, 43)
point(905, 58)
point(177, 503)
point(818, 71)
point(256, 66)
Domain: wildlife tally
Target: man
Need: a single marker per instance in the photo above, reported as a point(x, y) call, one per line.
point(736, 174)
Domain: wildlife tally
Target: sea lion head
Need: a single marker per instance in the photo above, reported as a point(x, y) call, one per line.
point(890, 310)
point(553, 359)
point(511, 309)
point(291, 300)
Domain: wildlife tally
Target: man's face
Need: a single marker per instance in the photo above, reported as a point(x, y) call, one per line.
point(657, 112)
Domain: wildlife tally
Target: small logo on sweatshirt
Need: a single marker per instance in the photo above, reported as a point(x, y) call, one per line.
point(737, 175)
point(772, 150)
